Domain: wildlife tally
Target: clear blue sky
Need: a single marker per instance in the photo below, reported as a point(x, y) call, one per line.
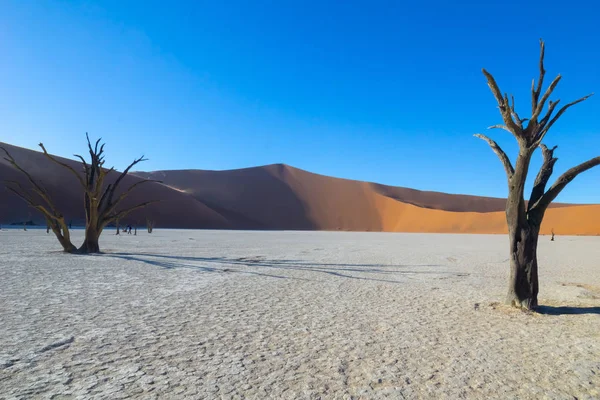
point(383, 91)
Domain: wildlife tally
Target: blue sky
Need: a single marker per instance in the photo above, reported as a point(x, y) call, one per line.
point(383, 91)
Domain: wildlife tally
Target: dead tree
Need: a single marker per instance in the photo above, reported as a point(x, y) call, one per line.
point(524, 219)
point(149, 225)
point(100, 201)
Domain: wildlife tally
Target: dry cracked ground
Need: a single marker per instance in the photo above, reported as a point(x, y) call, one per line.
point(294, 315)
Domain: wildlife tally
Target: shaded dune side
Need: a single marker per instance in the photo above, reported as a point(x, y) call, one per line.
point(282, 197)
point(256, 198)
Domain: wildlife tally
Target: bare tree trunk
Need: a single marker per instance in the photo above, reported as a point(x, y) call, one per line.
point(90, 243)
point(60, 230)
point(523, 283)
point(117, 223)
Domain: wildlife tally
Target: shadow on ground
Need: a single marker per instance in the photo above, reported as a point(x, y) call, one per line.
point(566, 310)
point(203, 264)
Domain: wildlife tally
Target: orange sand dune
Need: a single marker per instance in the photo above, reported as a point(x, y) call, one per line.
point(282, 197)
point(401, 217)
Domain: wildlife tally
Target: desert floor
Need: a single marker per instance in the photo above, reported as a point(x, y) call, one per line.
point(287, 315)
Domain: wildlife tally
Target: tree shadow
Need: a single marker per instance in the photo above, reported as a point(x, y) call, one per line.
point(332, 269)
point(567, 310)
point(199, 268)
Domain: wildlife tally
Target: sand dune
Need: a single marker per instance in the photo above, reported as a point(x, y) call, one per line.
point(283, 197)
point(280, 197)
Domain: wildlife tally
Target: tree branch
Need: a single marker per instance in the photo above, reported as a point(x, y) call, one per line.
point(563, 181)
point(551, 106)
point(500, 126)
point(111, 192)
point(500, 153)
point(33, 204)
point(62, 164)
point(560, 112)
point(535, 93)
point(37, 188)
point(514, 114)
point(542, 102)
point(121, 214)
point(505, 110)
point(541, 180)
point(85, 165)
point(126, 193)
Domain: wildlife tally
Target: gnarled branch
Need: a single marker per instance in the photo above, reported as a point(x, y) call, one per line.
point(541, 180)
point(560, 112)
point(64, 165)
point(563, 180)
point(551, 106)
point(503, 104)
point(500, 126)
point(126, 193)
point(123, 213)
point(542, 102)
point(85, 165)
point(36, 187)
point(535, 92)
point(110, 190)
point(500, 153)
point(52, 217)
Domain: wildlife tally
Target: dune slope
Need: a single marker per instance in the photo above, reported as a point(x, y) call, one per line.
point(277, 196)
point(280, 197)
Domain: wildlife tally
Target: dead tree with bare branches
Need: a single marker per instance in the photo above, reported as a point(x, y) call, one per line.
point(524, 219)
point(149, 225)
point(100, 201)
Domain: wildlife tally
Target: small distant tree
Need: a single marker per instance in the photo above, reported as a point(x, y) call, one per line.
point(149, 225)
point(524, 219)
point(26, 221)
point(100, 201)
